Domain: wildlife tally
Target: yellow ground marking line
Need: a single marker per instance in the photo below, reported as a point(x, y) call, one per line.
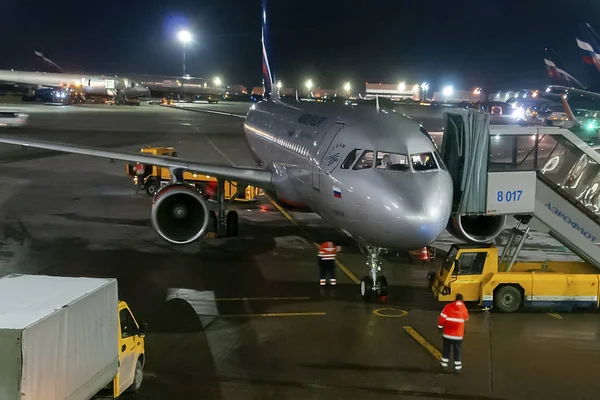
point(341, 266)
point(555, 315)
point(290, 314)
point(423, 342)
point(261, 298)
point(396, 312)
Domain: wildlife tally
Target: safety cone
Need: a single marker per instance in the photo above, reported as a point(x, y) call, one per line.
point(424, 254)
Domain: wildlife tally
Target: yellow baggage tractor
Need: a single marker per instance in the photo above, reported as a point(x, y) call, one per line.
point(155, 177)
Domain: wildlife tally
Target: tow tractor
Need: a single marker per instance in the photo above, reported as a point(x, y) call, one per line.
point(476, 272)
point(154, 178)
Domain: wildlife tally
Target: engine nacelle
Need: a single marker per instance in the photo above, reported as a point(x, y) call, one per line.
point(476, 228)
point(180, 214)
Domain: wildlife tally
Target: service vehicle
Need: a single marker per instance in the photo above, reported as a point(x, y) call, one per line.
point(12, 118)
point(156, 177)
point(476, 272)
point(67, 338)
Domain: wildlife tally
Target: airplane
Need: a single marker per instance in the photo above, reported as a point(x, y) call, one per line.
point(187, 87)
point(373, 174)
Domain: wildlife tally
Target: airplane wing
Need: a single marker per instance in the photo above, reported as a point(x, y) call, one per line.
point(257, 177)
point(556, 89)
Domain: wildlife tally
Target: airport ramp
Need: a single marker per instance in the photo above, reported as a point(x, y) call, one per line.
point(567, 187)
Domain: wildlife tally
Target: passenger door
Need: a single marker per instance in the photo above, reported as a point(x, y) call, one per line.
point(466, 276)
point(319, 154)
point(127, 348)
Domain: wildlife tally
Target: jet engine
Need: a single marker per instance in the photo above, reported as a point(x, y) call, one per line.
point(180, 214)
point(476, 228)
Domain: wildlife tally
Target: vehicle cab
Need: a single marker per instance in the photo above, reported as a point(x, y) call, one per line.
point(132, 356)
point(463, 271)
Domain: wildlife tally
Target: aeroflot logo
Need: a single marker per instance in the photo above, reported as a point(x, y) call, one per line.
point(312, 120)
point(569, 221)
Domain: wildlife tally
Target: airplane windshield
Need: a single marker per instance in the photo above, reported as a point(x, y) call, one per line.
point(423, 162)
point(366, 160)
point(392, 161)
point(352, 156)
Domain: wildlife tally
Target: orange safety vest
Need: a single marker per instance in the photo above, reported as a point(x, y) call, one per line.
point(452, 320)
point(327, 251)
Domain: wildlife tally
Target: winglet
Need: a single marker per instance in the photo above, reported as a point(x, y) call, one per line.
point(42, 54)
point(377, 103)
point(568, 110)
point(298, 100)
point(268, 77)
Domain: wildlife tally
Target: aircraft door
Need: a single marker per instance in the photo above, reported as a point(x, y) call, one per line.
point(321, 151)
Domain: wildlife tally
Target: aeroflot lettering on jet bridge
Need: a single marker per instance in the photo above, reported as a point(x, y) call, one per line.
point(311, 120)
point(569, 221)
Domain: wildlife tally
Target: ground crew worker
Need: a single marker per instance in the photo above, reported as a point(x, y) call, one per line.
point(327, 253)
point(452, 323)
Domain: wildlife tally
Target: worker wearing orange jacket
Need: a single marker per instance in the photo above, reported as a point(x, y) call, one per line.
point(327, 254)
point(452, 323)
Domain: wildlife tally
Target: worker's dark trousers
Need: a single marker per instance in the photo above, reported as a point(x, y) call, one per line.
point(326, 268)
point(454, 345)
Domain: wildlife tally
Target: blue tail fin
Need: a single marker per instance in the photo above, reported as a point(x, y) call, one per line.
point(268, 77)
point(557, 72)
point(589, 44)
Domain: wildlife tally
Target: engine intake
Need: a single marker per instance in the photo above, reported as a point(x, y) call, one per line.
point(476, 228)
point(180, 213)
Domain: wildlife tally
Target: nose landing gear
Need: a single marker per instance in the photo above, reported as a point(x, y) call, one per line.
point(375, 282)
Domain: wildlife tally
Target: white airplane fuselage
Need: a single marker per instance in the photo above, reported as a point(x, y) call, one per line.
point(94, 85)
point(305, 146)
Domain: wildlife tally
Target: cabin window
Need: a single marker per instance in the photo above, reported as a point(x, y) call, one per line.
point(392, 161)
point(423, 162)
point(350, 158)
point(470, 263)
point(365, 161)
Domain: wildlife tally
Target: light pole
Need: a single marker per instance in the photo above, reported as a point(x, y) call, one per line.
point(184, 37)
point(308, 87)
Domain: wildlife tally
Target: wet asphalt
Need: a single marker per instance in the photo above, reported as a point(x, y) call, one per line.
point(244, 317)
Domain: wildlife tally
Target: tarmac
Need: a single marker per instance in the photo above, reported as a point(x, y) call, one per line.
point(244, 317)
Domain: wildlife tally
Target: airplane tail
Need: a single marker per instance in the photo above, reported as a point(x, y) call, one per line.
point(42, 54)
point(589, 44)
point(557, 72)
point(268, 77)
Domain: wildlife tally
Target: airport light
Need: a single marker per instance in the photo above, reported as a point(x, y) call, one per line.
point(347, 88)
point(217, 81)
point(424, 88)
point(279, 85)
point(309, 85)
point(184, 37)
point(447, 91)
point(402, 87)
point(477, 91)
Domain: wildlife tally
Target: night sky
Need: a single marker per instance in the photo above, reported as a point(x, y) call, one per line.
point(465, 43)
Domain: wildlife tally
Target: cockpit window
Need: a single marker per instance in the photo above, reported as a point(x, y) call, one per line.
point(423, 162)
point(392, 161)
point(366, 160)
point(350, 158)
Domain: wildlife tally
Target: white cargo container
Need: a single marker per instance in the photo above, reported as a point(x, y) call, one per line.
point(60, 338)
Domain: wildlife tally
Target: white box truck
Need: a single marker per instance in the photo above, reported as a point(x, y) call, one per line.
point(66, 339)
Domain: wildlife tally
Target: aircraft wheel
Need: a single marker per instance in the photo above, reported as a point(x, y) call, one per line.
point(366, 288)
point(152, 187)
point(232, 223)
point(382, 286)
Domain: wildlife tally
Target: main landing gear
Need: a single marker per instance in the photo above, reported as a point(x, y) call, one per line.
point(223, 222)
point(375, 282)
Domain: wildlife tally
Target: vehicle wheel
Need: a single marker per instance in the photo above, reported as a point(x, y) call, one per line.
point(137, 378)
point(152, 187)
point(382, 286)
point(232, 223)
point(507, 299)
point(366, 288)
point(212, 224)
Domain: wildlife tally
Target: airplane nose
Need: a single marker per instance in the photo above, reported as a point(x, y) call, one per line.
point(421, 208)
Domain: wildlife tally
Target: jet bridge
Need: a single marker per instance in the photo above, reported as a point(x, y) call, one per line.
point(547, 178)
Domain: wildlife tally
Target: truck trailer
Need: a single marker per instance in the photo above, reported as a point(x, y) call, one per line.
point(65, 338)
